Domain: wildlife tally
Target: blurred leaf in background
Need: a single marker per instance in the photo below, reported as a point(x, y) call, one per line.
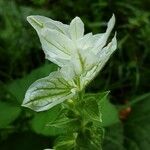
point(10, 107)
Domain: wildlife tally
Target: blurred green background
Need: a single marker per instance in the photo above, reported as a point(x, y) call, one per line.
point(126, 75)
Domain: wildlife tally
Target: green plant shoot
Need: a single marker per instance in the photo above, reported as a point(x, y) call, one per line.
point(79, 57)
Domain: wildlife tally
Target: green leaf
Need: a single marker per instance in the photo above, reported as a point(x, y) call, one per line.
point(133, 133)
point(107, 111)
point(65, 142)
point(41, 122)
point(18, 87)
point(89, 139)
point(53, 122)
point(47, 92)
point(113, 138)
point(137, 128)
point(91, 108)
point(8, 113)
point(16, 91)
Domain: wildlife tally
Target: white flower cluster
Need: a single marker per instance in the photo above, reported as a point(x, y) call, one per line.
point(80, 57)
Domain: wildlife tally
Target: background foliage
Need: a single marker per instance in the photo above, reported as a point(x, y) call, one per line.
point(126, 75)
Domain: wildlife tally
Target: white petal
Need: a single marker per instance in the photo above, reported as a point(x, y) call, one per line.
point(106, 52)
point(103, 39)
point(110, 48)
point(96, 37)
point(68, 71)
point(47, 92)
point(76, 28)
point(80, 64)
point(52, 34)
point(102, 57)
point(85, 42)
point(39, 22)
point(82, 61)
point(88, 41)
point(56, 46)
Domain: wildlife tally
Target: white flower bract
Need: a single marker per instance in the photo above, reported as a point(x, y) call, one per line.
point(80, 58)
